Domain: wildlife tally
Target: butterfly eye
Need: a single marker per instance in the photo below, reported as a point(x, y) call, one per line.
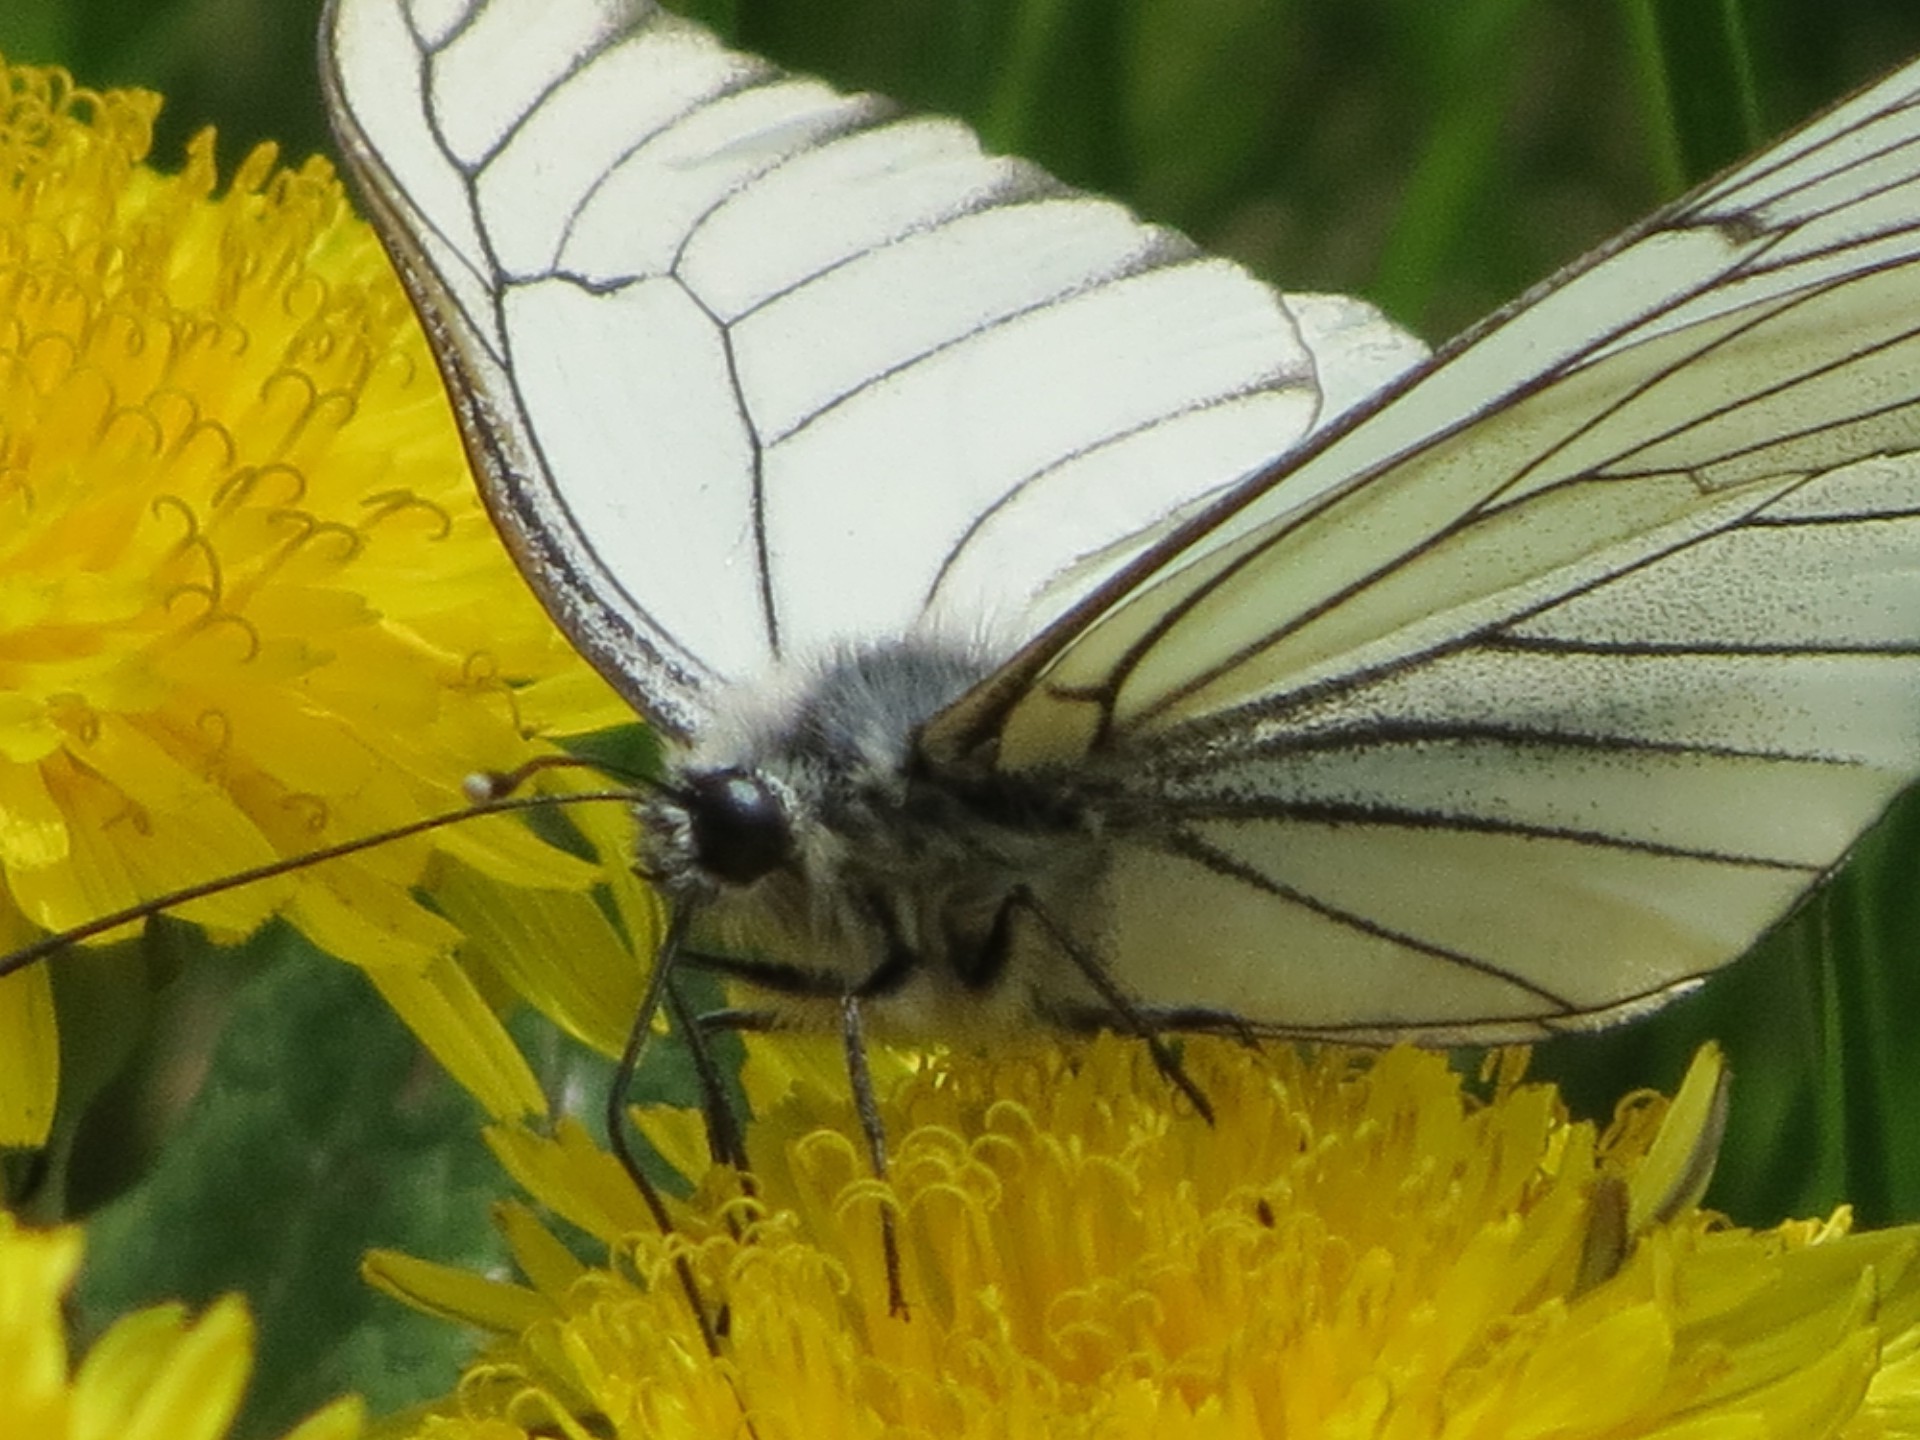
point(740, 826)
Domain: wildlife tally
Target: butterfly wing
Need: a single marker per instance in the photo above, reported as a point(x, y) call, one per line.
point(1548, 684)
point(750, 369)
point(1530, 694)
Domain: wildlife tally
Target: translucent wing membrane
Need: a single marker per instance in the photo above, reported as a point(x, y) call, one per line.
point(1755, 339)
point(1549, 684)
point(753, 370)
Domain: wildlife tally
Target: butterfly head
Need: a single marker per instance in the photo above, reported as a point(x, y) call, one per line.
point(737, 824)
point(796, 772)
point(806, 829)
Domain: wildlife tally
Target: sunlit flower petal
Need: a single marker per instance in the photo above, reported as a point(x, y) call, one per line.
point(29, 1044)
point(1361, 1246)
point(251, 602)
point(154, 1375)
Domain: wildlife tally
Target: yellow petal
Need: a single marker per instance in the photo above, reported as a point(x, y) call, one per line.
point(36, 1267)
point(439, 1004)
point(454, 1294)
point(29, 1057)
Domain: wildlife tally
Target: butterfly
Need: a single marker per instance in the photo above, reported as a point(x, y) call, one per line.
point(1047, 620)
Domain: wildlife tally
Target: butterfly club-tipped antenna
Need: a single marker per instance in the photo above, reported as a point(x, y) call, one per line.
point(492, 796)
point(489, 793)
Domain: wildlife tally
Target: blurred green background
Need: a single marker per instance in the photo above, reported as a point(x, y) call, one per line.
point(1437, 157)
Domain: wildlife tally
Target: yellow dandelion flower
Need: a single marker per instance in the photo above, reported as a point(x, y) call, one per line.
point(249, 603)
point(154, 1374)
point(1361, 1246)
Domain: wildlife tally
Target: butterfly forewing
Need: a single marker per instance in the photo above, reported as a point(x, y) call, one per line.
point(752, 370)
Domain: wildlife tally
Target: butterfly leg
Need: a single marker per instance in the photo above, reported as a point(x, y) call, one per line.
point(1183, 1019)
point(853, 1038)
point(726, 1142)
point(1120, 1006)
point(658, 988)
point(860, 1079)
point(859, 1075)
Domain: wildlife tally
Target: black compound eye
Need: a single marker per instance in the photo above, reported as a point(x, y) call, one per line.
point(740, 827)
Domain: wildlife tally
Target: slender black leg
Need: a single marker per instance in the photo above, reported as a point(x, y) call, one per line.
point(726, 1143)
point(616, 1118)
point(741, 1021)
point(724, 1136)
point(853, 1038)
point(1181, 1019)
point(1120, 1005)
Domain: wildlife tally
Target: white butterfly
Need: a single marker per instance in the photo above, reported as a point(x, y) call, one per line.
point(1051, 620)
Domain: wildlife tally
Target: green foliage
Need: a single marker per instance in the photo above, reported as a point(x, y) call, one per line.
point(321, 1130)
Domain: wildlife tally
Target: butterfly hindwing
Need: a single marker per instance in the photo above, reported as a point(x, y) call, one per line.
point(1561, 675)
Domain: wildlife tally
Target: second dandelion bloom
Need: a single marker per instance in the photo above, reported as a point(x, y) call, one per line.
point(1362, 1246)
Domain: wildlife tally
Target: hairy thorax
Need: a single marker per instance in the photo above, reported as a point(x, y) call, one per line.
point(819, 855)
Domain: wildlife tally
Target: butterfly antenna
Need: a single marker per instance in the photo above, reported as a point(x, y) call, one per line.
point(485, 785)
point(504, 804)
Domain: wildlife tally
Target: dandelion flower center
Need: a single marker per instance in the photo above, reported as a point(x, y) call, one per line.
point(1361, 1246)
